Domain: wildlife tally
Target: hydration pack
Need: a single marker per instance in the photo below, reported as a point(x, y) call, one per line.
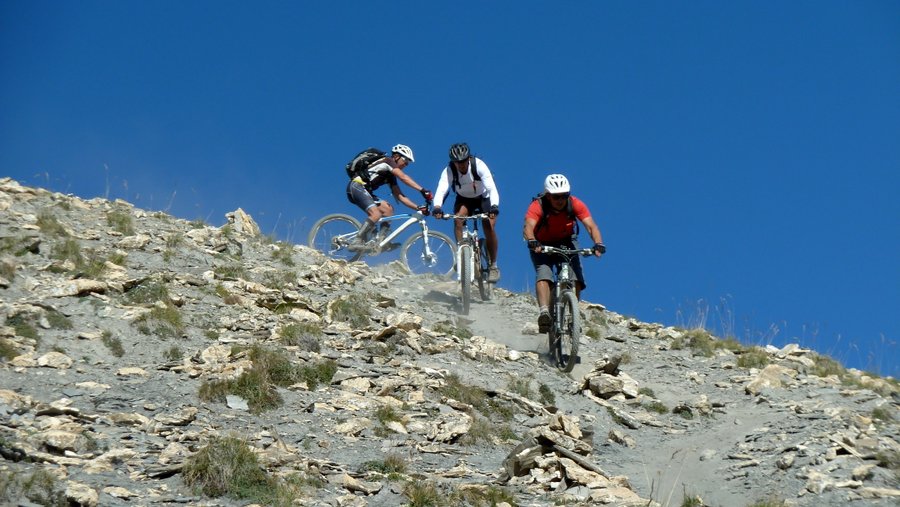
point(360, 164)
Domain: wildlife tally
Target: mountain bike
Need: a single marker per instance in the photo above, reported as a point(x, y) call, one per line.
point(472, 260)
point(565, 330)
point(424, 252)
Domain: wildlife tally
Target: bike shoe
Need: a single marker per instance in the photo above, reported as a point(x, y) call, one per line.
point(359, 246)
point(544, 322)
point(493, 274)
point(390, 246)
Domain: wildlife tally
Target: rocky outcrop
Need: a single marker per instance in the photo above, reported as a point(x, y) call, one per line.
point(124, 354)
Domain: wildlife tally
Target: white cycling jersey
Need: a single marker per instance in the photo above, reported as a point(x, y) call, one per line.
point(468, 185)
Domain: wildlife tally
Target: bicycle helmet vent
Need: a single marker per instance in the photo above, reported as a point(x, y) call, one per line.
point(404, 150)
point(459, 152)
point(556, 184)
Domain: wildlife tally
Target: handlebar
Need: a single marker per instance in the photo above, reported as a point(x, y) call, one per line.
point(584, 252)
point(477, 216)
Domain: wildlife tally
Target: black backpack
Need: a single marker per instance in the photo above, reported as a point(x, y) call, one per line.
point(545, 212)
point(475, 175)
point(359, 165)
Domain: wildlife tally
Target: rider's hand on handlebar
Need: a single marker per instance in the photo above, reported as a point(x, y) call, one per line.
point(427, 194)
point(534, 245)
point(437, 212)
point(423, 209)
point(599, 249)
point(494, 211)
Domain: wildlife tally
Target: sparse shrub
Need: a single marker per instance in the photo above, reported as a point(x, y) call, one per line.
point(386, 413)
point(391, 464)
point(147, 292)
point(454, 388)
point(57, 320)
point(68, 249)
point(174, 353)
point(38, 486)
point(646, 391)
point(353, 310)
point(754, 357)
point(227, 297)
point(212, 334)
point(166, 321)
point(701, 342)
point(118, 259)
point(520, 386)
point(302, 334)
point(7, 349)
point(481, 496)
point(691, 501)
point(279, 279)
point(270, 368)
point(729, 343)
point(446, 328)
point(684, 411)
point(882, 414)
point(120, 221)
point(227, 467)
point(546, 395)
point(320, 373)
point(230, 272)
point(592, 332)
point(23, 327)
point(197, 223)
point(283, 253)
point(50, 225)
point(113, 344)
point(656, 406)
point(423, 494)
point(826, 366)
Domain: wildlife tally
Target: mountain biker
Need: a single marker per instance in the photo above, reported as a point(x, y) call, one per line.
point(471, 179)
point(384, 171)
point(551, 220)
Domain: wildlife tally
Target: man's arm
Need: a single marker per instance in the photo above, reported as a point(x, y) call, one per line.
point(528, 234)
point(594, 231)
point(395, 189)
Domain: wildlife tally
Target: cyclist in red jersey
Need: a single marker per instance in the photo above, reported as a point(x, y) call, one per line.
point(551, 220)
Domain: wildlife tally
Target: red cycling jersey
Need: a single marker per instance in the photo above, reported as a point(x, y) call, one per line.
point(559, 227)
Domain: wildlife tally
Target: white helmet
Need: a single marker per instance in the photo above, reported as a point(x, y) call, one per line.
point(556, 184)
point(404, 150)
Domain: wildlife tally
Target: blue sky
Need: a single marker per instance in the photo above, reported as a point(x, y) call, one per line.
point(741, 158)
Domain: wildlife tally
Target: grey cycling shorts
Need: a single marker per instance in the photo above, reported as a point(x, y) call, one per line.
point(358, 195)
point(545, 264)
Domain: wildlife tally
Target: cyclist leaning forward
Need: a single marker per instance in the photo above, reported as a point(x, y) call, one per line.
point(551, 220)
point(473, 183)
point(385, 171)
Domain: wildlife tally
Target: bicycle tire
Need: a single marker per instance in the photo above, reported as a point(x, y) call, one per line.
point(465, 276)
point(570, 332)
point(485, 287)
point(324, 232)
point(443, 261)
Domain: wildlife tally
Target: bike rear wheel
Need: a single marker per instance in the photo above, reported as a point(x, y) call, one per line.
point(441, 261)
point(331, 235)
point(465, 276)
point(484, 266)
point(569, 332)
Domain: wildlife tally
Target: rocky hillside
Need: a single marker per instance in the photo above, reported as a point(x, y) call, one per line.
point(147, 360)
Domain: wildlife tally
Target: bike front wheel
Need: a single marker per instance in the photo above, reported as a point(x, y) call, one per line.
point(438, 258)
point(331, 235)
point(465, 276)
point(569, 332)
point(484, 286)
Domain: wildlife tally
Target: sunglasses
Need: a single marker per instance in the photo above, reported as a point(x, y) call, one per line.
point(559, 197)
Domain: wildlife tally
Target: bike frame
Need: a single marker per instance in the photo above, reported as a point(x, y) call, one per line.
point(469, 237)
